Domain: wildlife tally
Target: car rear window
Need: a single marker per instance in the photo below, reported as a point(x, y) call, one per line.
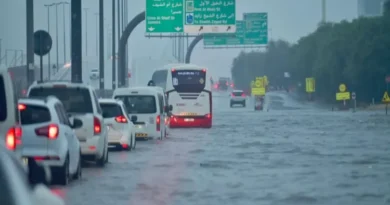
point(139, 104)
point(3, 101)
point(75, 100)
point(33, 114)
point(238, 93)
point(111, 110)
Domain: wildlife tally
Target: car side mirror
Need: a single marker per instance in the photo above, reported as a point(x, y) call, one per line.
point(134, 118)
point(77, 123)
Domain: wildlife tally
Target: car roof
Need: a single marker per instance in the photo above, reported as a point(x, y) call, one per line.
point(142, 89)
point(39, 101)
point(69, 84)
point(110, 100)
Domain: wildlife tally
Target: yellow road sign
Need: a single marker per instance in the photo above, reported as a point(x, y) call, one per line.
point(386, 98)
point(259, 83)
point(310, 85)
point(258, 91)
point(343, 96)
point(342, 87)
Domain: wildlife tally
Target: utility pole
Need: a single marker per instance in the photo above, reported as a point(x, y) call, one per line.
point(113, 57)
point(48, 30)
point(101, 44)
point(97, 34)
point(86, 31)
point(30, 41)
point(76, 41)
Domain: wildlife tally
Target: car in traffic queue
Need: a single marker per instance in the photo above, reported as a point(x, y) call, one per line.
point(80, 102)
point(121, 133)
point(48, 138)
point(147, 104)
point(237, 97)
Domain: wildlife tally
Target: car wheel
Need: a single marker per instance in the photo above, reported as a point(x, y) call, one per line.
point(63, 173)
point(102, 160)
point(134, 142)
point(130, 146)
point(79, 172)
point(106, 158)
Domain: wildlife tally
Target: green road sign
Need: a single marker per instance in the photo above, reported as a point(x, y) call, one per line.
point(252, 31)
point(164, 16)
point(256, 29)
point(210, 16)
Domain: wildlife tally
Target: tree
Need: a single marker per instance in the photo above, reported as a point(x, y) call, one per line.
point(354, 53)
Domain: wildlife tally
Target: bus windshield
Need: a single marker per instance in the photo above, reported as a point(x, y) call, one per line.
point(190, 81)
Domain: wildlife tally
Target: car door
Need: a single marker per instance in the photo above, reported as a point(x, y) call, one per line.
point(70, 136)
point(162, 112)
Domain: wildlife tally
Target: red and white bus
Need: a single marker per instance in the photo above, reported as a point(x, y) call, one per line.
point(188, 90)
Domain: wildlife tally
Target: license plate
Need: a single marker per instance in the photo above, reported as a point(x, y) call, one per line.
point(188, 119)
point(25, 161)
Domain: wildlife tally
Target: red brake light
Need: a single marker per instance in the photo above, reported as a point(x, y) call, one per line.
point(233, 95)
point(50, 131)
point(208, 116)
point(97, 126)
point(203, 70)
point(158, 123)
point(13, 137)
point(173, 70)
point(121, 119)
point(243, 95)
point(21, 107)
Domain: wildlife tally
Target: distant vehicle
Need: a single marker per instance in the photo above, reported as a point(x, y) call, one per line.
point(94, 75)
point(223, 84)
point(237, 97)
point(48, 137)
point(147, 103)
point(80, 102)
point(121, 133)
point(188, 91)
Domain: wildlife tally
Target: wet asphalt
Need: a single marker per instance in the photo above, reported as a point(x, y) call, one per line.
point(292, 154)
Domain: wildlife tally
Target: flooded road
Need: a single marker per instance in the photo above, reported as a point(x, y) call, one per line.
point(292, 154)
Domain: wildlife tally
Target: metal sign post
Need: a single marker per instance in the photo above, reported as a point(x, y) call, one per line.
point(354, 101)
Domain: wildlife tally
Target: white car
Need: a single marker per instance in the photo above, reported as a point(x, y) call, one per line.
point(80, 101)
point(147, 103)
point(120, 128)
point(237, 97)
point(49, 139)
point(10, 133)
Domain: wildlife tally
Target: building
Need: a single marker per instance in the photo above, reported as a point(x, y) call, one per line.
point(370, 7)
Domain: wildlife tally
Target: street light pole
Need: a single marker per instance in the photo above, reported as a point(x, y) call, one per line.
point(97, 34)
point(57, 36)
point(63, 21)
point(86, 31)
point(48, 30)
point(113, 47)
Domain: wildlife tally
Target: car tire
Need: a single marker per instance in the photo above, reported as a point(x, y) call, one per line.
point(79, 171)
point(134, 143)
point(106, 159)
point(244, 104)
point(102, 161)
point(62, 175)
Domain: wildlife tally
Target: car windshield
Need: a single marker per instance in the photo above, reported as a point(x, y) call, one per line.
point(111, 110)
point(75, 100)
point(33, 114)
point(141, 104)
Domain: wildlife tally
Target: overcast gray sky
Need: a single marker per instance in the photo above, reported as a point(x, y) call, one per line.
point(288, 20)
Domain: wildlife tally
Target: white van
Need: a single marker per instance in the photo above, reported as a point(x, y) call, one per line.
point(10, 133)
point(147, 103)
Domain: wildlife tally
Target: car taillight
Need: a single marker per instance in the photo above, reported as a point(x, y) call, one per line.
point(233, 95)
point(158, 123)
point(13, 137)
point(243, 95)
point(121, 119)
point(97, 126)
point(208, 116)
point(51, 131)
